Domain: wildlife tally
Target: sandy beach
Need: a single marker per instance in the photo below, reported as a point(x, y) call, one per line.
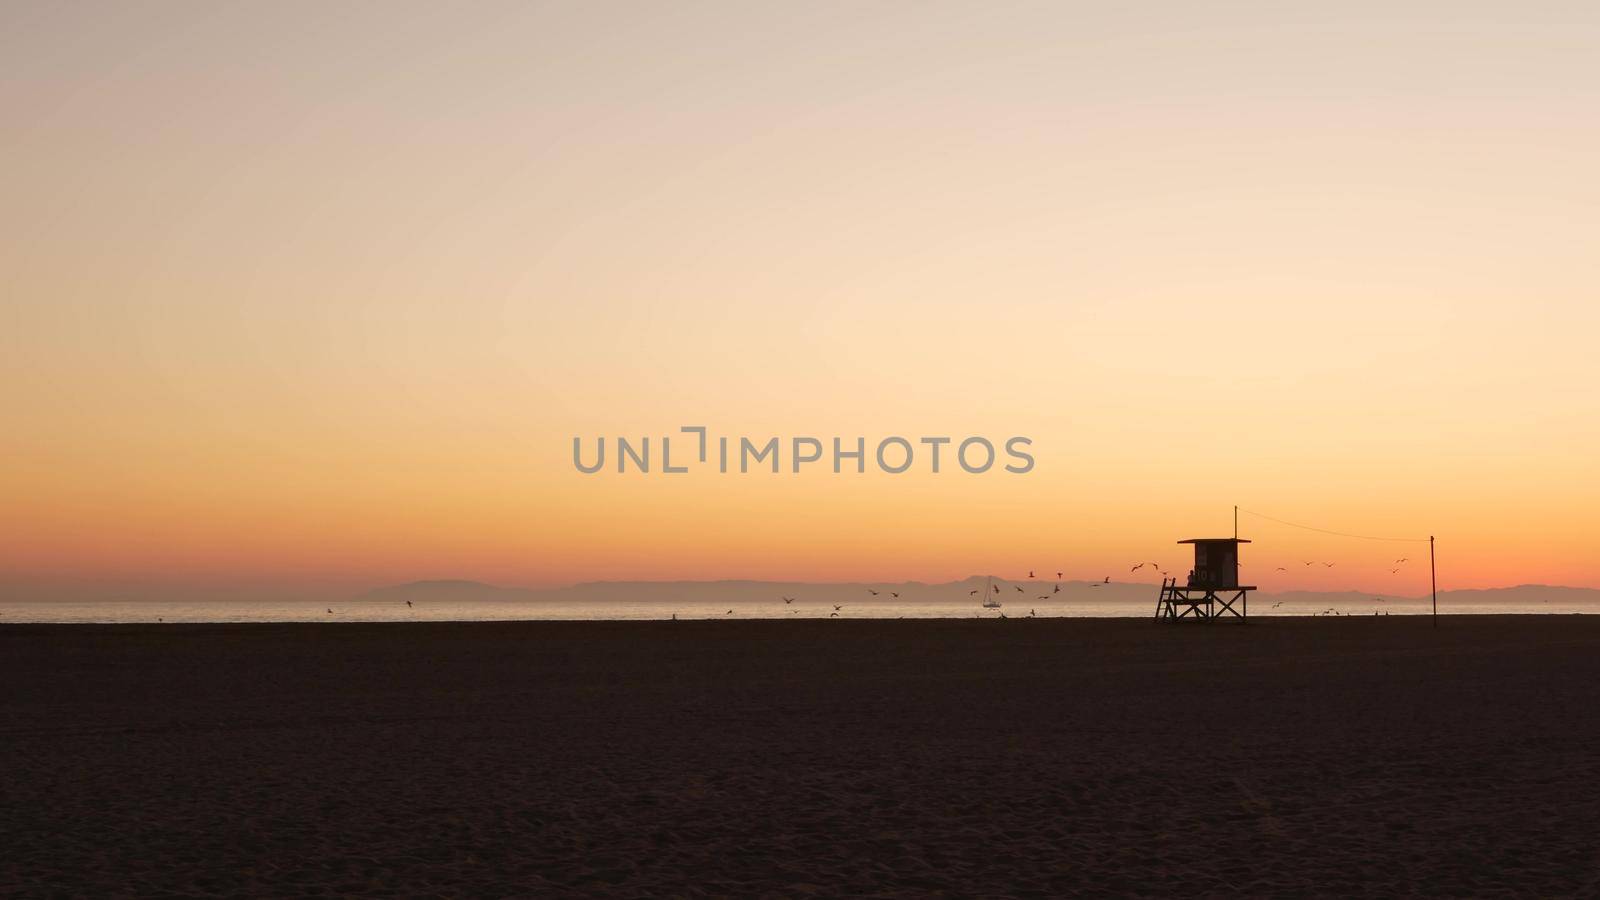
point(1033, 758)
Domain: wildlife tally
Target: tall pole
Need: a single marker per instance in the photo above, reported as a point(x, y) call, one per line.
point(1433, 573)
point(1236, 545)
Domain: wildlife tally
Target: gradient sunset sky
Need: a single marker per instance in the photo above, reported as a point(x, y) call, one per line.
point(308, 298)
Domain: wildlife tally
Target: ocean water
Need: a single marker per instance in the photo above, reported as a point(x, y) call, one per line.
point(388, 610)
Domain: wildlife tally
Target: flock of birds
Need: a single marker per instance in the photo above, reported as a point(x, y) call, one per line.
point(1032, 613)
point(1311, 562)
point(1056, 589)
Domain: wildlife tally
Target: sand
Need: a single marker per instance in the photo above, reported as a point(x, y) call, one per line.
point(747, 758)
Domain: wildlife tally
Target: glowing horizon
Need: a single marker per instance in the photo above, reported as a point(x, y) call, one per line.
point(305, 303)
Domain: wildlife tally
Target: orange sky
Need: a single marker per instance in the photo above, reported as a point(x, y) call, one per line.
point(305, 300)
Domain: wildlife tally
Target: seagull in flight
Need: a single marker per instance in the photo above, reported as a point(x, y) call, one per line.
point(1030, 573)
point(1137, 568)
point(1018, 587)
point(788, 600)
point(1403, 559)
point(408, 604)
point(728, 613)
point(893, 594)
point(1107, 581)
point(1057, 590)
point(1282, 569)
point(1329, 565)
point(838, 606)
point(971, 592)
point(1310, 562)
point(1058, 575)
point(833, 615)
point(872, 592)
point(1393, 571)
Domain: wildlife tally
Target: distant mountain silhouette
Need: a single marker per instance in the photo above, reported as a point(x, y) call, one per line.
point(1524, 593)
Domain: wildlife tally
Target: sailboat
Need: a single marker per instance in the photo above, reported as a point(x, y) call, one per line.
point(989, 601)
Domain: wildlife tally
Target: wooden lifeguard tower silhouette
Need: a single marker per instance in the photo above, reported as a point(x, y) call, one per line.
point(1212, 590)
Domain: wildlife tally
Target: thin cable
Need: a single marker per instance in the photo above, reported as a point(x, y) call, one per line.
point(1364, 537)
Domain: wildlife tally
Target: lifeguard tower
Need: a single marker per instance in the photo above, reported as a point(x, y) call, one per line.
point(1212, 590)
